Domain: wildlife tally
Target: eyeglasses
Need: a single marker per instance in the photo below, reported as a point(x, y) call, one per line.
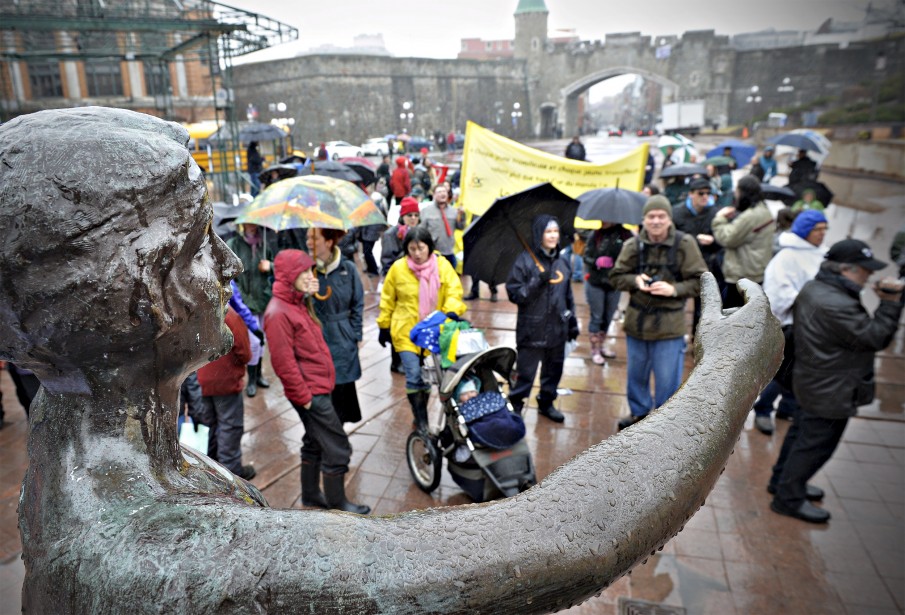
point(702, 192)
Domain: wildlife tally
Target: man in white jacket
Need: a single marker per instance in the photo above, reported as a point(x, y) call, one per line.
point(794, 265)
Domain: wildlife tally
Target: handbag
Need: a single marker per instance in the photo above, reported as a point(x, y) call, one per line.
point(193, 435)
point(579, 245)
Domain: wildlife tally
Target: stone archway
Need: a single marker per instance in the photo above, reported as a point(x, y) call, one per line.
point(570, 92)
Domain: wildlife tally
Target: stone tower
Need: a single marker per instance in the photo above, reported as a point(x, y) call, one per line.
point(530, 28)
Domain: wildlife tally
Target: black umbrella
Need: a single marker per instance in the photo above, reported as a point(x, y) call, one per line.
point(283, 171)
point(680, 170)
point(612, 205)
point(796, 140)
point(821, 192)
point(778, 193)
point(364, 167)
point(330, 168)
point(494, 241)
point(224, 217)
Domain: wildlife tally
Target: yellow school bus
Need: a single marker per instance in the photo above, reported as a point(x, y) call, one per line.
point(214, 160)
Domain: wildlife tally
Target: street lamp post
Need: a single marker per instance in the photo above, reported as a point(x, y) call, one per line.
point(753, 99)
point(515, 114)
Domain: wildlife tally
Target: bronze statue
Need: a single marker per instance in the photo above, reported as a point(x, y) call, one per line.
point(113, 287)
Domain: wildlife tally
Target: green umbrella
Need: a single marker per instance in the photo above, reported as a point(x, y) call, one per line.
point(719, 161)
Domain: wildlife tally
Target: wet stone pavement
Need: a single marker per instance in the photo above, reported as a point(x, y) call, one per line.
point(734, 556)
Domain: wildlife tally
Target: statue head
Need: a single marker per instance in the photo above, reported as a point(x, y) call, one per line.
point(107, 259)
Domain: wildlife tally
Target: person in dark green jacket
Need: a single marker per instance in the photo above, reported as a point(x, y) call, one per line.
point(255, 247)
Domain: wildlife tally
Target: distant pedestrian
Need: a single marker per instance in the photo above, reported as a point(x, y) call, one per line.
point(807, 201)
point(441, 219)
point(221, 390)
point(575, 150)
point(255, 248)
point(600, 254)
point(803, 169)
point(401, 180)
point(322, 153)
point(254, 164)
point(746, 234)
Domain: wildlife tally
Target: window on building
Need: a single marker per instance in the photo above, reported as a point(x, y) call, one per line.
point(488, 46)
point(45, 79)
point(104, 78)
point(157, 79)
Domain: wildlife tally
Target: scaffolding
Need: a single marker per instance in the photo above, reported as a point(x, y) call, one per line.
point(155, 33)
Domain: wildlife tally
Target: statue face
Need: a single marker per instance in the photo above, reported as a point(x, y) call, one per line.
point(196, 291)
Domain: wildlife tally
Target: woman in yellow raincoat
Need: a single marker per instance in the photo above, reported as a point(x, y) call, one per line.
point(416, 285)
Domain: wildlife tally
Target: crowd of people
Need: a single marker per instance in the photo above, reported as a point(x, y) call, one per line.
point(301, 296)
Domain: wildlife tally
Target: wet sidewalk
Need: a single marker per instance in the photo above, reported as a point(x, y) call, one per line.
point(735, 556)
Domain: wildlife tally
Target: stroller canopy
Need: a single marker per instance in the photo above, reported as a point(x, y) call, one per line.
point(498, 358)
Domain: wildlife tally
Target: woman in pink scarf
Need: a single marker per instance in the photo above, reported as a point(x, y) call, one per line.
point(415, 286)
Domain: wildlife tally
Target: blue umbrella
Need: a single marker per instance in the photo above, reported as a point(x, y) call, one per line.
point(741, 151)
point(796, 140)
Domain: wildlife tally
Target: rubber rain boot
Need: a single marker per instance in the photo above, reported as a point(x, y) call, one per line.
point(251, 389)
point(335, 491)
point(259, 376)
point(418, 401)
point(311, 486)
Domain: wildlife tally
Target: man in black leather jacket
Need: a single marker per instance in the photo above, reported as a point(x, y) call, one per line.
point(835, 343)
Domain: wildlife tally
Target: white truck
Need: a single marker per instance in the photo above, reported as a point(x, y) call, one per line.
point(686, 117)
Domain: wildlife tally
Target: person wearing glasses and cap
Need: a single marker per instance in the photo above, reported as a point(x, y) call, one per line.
point(695, 217)
point(833, 372)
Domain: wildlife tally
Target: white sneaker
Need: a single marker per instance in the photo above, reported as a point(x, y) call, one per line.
point(598, 359)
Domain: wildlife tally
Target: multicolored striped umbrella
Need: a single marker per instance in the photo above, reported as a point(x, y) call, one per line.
point(313, 201)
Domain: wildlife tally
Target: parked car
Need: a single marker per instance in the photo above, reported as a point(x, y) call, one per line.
point(342, 149)
point(376, 146)
point(416, 143)
point(645, 132)
point(614, 131)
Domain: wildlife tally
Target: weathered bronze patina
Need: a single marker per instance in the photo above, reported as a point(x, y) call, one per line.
point(112, 288)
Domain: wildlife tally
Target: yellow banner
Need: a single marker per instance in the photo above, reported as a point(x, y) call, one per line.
point(494, 166)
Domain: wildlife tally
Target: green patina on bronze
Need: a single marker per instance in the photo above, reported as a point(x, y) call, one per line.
point(116, 518)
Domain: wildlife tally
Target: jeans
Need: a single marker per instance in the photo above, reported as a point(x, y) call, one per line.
point(224, 443)
point(452, 259)
point(665, 359)
point(411, 364)
point(788, 405)
point(603, 303)
point(324, 443)
point(575, 263)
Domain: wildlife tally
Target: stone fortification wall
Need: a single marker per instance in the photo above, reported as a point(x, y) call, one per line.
point(353, 97)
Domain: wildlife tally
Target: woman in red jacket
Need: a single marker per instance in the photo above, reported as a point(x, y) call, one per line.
point(302, 361)
point(400, 180)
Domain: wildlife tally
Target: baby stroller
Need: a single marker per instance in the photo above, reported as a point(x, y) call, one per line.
point(483, 438)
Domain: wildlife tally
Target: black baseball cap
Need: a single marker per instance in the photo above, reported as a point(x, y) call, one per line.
point(699, 184)
point(854, 252)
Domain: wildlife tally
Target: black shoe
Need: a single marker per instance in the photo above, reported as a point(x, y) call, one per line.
point(312, 496)
point(263, 382)
point(472, 296)
point(493, 297)
point(784, 416)
point(806, 512)
point(629, 420)
point(252, 389)
point(812, 492)
point(552, 413)
point(247, 472)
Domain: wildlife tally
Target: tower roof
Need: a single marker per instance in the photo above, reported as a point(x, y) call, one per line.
point(531, 6)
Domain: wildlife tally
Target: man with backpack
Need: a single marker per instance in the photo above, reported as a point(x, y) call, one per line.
point(660, 269)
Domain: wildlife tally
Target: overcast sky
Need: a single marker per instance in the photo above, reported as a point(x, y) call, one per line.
point(431, 29)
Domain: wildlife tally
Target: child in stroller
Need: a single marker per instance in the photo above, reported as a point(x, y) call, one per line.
point(478, 431)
